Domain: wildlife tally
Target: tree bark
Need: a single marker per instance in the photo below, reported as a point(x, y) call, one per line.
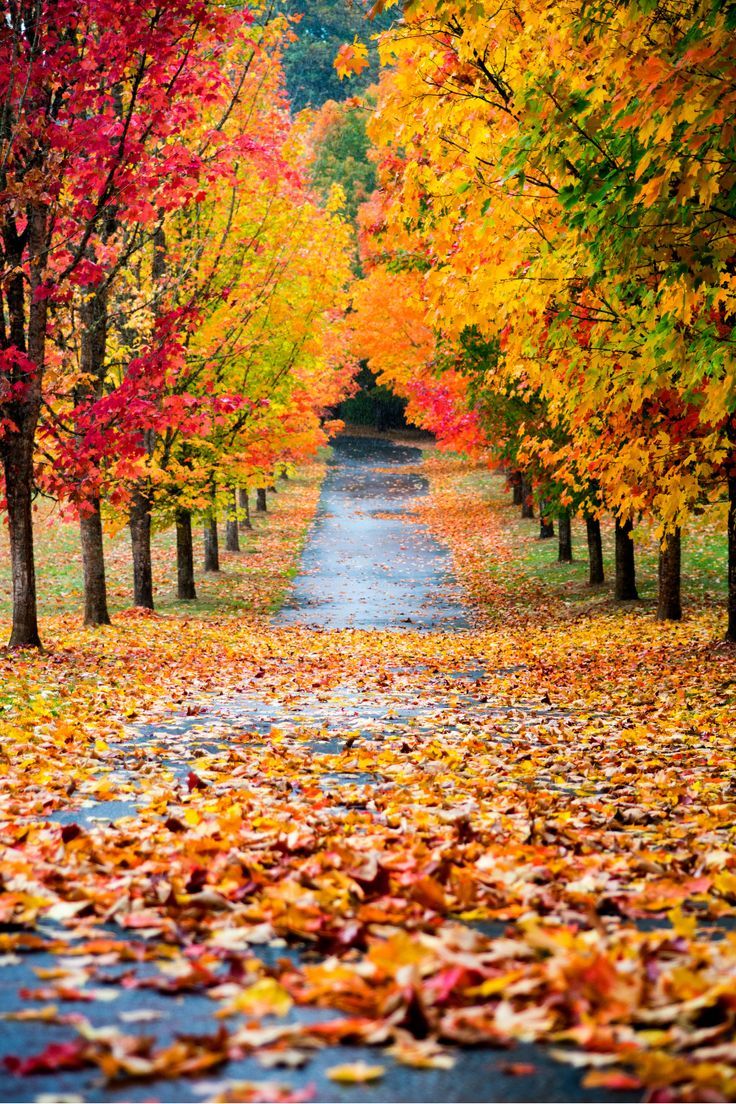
point(93, 563)
point(18, 468)
point(669, 604)
point(516, 487)
point(261, 500)
point(546, 524)
point(625, 563)
point(140, 537)
point(17, 448)
point(564, 531)
point(211, 544)
point(185, 588)
point(232, 543)
point(93, 348)
point(527, 502)
point(244, 504)
point(596, 575)
point(731, 599)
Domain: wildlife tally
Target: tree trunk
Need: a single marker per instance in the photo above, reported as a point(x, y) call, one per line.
point(140, 537)
point(18, 467)
point(596, 575)
point(232, 543)
point(93, 563)
point(17, 447)
point(516, 488)
point(564, 530)
point(93, 347)
point(527, 502)
point(272, 489)
point(261, 500)
point(211, 544)
point(185, 588)
point(669, 606)
point(244, 504)
point(625, 564)
point(284, 476)
point(731, 600)
point(546, 524)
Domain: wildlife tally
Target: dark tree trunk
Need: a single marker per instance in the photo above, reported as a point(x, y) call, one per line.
point(232, 543)
point(546, 524)
point(564, 530)
point(244, 504)
point(527, 502)
point(93, 563)
point(140, 537)
point(93, 343)
point(669, 605)
point(261, 500)
point(17, 447)
point(211, 544)
point(516, 488)
point(185, 588)
point(596, 575)
point(731, 599)
point(284, 476)
point(18, 467)
point(272, 489)
point(625, 564)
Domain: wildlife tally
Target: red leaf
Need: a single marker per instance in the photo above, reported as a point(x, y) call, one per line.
point(517, 1069)
point(56, 1056)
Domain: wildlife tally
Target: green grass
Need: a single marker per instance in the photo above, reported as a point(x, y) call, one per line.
point(704, 551)
point(254, 580)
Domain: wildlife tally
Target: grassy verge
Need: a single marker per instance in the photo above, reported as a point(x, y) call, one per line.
point(521, 561)
point(254, 580)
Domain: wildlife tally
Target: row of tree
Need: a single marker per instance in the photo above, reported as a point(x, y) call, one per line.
point(550, 261)
point(173, 291)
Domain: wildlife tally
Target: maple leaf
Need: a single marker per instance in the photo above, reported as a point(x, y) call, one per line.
point(351, 59)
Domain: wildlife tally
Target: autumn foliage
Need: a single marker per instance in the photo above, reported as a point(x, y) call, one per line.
point(554, 240)
point(172, 313)
point(520, 831)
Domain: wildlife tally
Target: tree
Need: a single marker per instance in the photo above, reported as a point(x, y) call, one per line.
point(539, 161)
point(340, 154)
point(320, 28)
point(75, 151)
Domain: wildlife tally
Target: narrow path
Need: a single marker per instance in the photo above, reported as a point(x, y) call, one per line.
point(367, 564)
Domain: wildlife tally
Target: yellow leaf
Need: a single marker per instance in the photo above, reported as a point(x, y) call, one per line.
point(264, 998)
point(683, 925)
point(355, 1073)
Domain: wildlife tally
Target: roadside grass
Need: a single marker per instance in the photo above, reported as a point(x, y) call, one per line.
point(704, 551)
point(254, 581)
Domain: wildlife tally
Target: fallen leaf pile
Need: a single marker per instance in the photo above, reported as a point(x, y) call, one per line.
point(523, 831)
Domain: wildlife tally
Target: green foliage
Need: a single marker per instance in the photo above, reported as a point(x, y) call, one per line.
point(373, 405)
point(342, 158)
point(325, 25)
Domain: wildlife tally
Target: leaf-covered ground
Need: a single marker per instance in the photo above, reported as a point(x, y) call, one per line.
point(520, 832)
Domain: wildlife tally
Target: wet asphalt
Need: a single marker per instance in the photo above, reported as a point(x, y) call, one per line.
point(368, 563)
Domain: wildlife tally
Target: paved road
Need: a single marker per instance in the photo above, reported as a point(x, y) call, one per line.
point(366, 565)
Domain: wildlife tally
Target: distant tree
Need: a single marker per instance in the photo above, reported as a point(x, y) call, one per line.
point(341, 153)
point(325, 25)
